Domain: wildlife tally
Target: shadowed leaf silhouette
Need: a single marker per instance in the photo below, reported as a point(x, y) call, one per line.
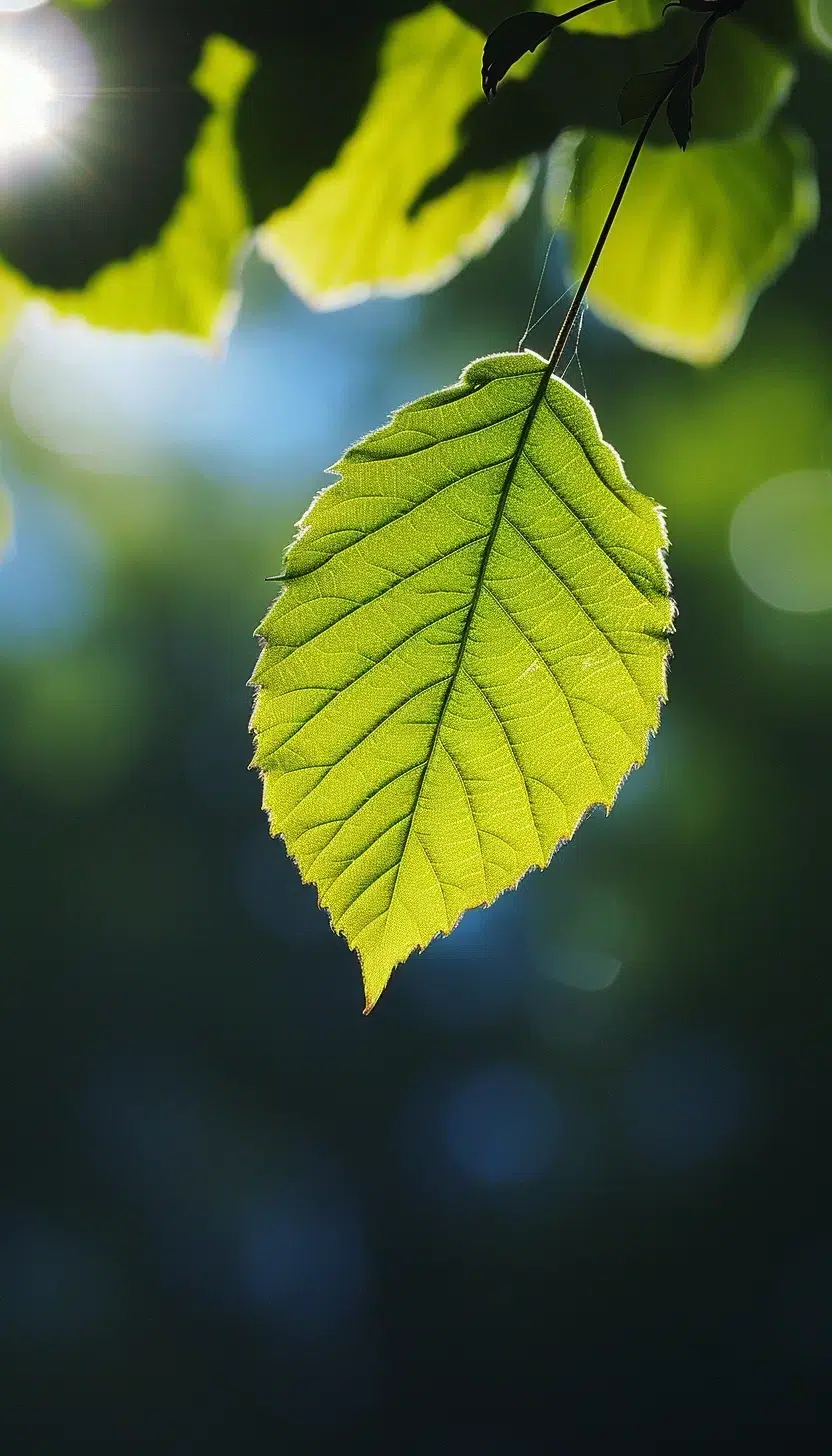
point(510, 40)
point(468, 653)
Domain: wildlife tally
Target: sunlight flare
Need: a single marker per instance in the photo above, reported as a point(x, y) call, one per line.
point(26, 94)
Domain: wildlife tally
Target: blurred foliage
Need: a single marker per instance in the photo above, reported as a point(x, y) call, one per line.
point(816, 16)
point(698, 236)
point(181, 284)
point(354, 142)
point(353, 230)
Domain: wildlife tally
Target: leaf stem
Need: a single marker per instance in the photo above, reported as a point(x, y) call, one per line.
point(574, 307)
point(579, 10)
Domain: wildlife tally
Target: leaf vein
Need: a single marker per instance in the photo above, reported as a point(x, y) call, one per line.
point(617, 651)
point(512, 748)
point(555, 679)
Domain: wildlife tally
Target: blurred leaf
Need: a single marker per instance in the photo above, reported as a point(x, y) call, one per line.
point(469, 652)
point(746, 80)
point(698, 236)
point(123, 122)
point(185, 283)
point(816, 21)
point(579, 80)
point(305, 98)
point(350, 233)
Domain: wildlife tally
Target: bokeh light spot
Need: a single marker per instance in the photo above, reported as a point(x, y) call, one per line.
point(301, 1259)
point(502, 1126)
point(585, 970)
point(781, 541)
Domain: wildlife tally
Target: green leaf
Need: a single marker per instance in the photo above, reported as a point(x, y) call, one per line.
point(186, 282)
point(469, 652)
point(579, 82)
point(747, 79)
point(284, 134)
point(699, 234)
point(111, 166)
point(816, 21)
point(351, 233)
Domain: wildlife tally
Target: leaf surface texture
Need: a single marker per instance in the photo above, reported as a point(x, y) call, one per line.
point(468, 653)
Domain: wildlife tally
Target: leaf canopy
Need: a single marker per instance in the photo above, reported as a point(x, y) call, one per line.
point(351, 232)
point(746, 80)
point(699, 234)
point(468, 653)
point(184, 283)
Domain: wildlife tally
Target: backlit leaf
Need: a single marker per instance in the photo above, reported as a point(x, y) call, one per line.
point(699, 234)
point(747, 79)
point(350, 233)
point(469, 652)
point(186, 282)
point(816, 20)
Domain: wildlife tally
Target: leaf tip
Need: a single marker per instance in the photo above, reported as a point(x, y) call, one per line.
point(375, 975)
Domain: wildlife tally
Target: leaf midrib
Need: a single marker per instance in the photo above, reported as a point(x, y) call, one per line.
point(514, 461)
